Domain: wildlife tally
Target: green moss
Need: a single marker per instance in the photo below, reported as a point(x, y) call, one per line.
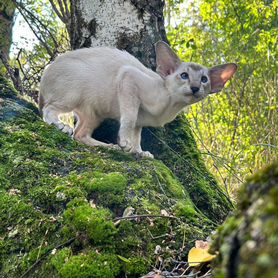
point(41, 197)
point(137, 266)
point(6, 88)
point(185, 209)
point(166, 177)
point(60, 258)
point(174, 144)
point(13, 210)
point(107, 189)
point(86, 265)
point(63, 192)
point(150, 207)
point(105, 183)
point(129, 238)
point(30, 258)
point(248, 241)
point(93, 222)
point(22, 229)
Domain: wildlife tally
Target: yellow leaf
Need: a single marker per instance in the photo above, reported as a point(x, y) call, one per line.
point(198, 255)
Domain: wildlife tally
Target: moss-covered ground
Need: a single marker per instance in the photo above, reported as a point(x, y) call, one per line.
point(175, 146)
point(59, 200)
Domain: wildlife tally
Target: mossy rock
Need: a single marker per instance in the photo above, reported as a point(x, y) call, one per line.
point(175, 146)
point(59, 200)
point(248, 240)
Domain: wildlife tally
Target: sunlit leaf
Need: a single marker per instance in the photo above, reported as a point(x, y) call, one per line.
point(196, 256)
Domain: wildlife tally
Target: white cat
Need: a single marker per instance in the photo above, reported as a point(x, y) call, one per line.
point(100, 83)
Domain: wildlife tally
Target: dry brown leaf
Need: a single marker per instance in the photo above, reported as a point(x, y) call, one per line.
point(202, 244)
point(158, 276)
point(164, 212)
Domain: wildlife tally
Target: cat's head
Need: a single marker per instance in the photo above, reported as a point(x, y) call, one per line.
point(190, 82)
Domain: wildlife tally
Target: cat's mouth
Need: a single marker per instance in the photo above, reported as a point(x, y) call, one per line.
point(197, 96)
point(189, 93)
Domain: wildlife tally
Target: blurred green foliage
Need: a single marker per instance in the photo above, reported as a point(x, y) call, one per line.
point(51, 39)
point(236, 130)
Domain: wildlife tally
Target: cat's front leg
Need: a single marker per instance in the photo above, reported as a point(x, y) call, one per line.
point(130, 140)
point(137, 144)
point(129, 96)
point(126, 135)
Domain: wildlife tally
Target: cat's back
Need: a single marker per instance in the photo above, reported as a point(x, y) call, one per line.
point(88, 76)
point(98, 59)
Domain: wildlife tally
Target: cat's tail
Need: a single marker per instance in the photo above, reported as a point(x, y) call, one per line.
point(41, 103)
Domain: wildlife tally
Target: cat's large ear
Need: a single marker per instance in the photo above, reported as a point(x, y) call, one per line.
point(166, 59)
point(219, 75)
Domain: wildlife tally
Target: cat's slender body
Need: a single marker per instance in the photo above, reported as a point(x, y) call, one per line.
point(100, 83)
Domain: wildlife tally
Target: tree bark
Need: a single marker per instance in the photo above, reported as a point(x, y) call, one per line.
point(130, 25)
point(7, 12)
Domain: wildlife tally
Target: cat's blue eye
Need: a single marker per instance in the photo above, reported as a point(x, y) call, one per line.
point(204, 79)
point(184, 75)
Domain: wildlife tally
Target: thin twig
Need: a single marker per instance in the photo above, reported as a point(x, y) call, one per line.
point(68, 242)
point(16, 80)
point(266, 145)
point(144, 216)
point(156, 237)
point(60, 14)
point(35, 20)
point(67, 9)
point(50, 53)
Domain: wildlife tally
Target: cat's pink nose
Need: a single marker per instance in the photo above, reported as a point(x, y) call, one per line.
point(194, 89)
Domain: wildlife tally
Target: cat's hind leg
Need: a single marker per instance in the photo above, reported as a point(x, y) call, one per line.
point(51, 115)
point(84, 128)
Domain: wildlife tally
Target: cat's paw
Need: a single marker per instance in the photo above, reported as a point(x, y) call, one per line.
point(145, 154)
point(114, 147)
point(125, 145)
point(64, 128)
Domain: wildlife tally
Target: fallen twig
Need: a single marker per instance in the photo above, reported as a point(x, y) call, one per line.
point(144, 216)
point(68, 242)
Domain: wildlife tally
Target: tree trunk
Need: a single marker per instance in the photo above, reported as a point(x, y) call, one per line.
point(7, 12)
point(130, 25)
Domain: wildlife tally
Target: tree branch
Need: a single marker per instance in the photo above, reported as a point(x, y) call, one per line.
point(60, 13)
point(14, 75)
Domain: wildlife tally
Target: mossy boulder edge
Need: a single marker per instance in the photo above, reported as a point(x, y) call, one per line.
point(248, 240)
point(59, 199)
